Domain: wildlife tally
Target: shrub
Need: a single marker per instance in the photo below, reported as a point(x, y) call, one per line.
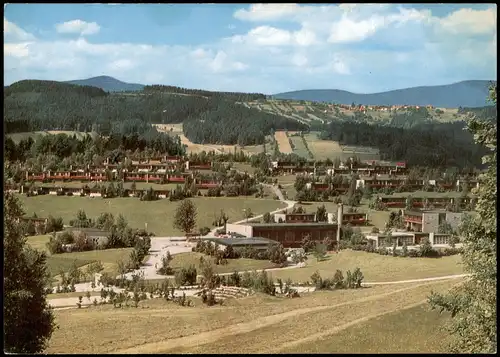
point(426, 249)
point(338, 280)
point(204, 231)
point(186, 276)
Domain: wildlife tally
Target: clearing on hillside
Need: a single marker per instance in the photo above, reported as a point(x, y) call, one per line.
point(283, 143)
point(299, 147)
point(323, 149)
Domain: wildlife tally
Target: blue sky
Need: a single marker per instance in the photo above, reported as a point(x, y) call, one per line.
point(267, 48)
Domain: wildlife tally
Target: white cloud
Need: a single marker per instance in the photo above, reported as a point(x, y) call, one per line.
point(13, 33)
point(470, 21)
point(267, 12)
point(121, 65)
point(16, 49)
point(78, 27)
point(271, 36)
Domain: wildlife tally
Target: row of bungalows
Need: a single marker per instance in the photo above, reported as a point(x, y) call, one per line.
point(90, 191)
point(351, 218)
point(194, 166)
point(400, 202)
point(290, 167)
point(103, 176)
point(38, 222)
point(393, 182)
point(322, 187)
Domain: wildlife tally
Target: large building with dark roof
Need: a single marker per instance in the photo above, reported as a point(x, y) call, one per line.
point(290, 235)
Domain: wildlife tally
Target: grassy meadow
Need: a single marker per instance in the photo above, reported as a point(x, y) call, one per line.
point(157, 214)
point(258, 323)
point(64, 261)
point(375, 267)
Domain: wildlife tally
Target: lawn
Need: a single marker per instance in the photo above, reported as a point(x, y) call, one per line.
point(244, 167)
point(64, 261)
point(56, 263)
point(158, 215)
point(287, 334)
point(184, 260)
point(164, 326)
point(375, 267)
point(414, 330)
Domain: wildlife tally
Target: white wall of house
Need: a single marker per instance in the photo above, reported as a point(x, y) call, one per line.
point(95, 194)
point(277, 217)
point(360, 184)
point(242, 229)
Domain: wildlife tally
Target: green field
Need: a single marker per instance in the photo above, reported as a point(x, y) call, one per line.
point(375, 267)
point(258, 323)
point(413, 330)
point(64, 261)
point(157, 214)
point(298, 147)
point(184, 260)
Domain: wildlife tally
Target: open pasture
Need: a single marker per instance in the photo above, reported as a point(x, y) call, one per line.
point(323, 149)
point(258, 323)
point(375, 267)
point(158, 215)
point(299, 147)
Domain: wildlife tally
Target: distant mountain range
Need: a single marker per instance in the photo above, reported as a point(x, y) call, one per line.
point(462, 94)
point(109, 84)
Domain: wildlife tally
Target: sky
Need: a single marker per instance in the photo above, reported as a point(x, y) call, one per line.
point(264, 48)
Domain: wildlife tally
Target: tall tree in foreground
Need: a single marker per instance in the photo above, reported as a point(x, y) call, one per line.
point(473, 304)
point(185, 216)
point(28, 319)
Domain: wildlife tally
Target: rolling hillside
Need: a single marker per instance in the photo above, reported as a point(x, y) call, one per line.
point(109, 84)
point(461, 94)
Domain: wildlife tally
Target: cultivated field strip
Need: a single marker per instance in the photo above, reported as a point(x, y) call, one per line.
point(283, 143)
point(272, 327)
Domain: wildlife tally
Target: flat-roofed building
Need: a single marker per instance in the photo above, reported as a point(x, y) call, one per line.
point(429, 221)
point(290, 235)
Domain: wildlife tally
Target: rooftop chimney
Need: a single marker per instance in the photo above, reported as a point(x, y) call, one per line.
point(340, 214)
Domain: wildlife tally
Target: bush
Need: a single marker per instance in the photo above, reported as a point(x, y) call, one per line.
point(204, 231)
point(69, 193)
point(186, 276)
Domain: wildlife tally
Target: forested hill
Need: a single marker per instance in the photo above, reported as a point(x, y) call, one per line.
point(461, 94)
point(34, 105)
point(109, 84)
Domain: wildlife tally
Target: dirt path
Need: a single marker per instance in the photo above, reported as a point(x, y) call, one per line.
point(342, 327)
point(214, 335)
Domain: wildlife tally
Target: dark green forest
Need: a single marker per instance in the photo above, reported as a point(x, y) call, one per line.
point(33, 105)
point(431, 145)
